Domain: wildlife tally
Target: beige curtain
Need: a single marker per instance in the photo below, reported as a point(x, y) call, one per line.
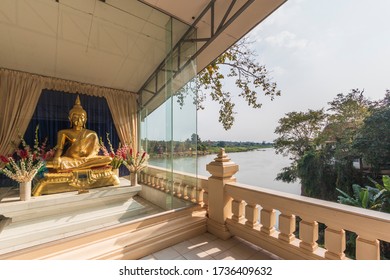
point(19, 94)
point(124, 113)
point(20, 91)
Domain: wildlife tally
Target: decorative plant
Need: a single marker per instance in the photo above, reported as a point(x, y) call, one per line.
point(135, 161)
point(117, 156)
point(25, 163)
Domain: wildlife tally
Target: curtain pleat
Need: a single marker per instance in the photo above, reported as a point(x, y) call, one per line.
point(19, 94)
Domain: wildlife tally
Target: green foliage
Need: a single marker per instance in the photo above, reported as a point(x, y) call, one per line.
point(298, 132)
point(362, 197)
point(239, 62)
point(372, 142)
point(374, 198)
point(383, 195)
point(321, 145)
point(288, 174)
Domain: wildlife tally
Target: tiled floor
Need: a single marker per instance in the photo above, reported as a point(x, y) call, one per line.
point(209, 247)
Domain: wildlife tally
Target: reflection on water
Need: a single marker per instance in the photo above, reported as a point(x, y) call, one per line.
point(256, 168)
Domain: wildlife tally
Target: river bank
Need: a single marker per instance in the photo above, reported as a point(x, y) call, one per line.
point(211, 151)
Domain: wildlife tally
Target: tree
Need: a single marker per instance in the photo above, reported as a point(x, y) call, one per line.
point(298, 131)
point(320, 145)
point(238, 62)
point(372, 142)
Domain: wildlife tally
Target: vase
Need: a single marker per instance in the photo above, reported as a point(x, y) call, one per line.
point(133, 179)
point(25, 191)
point(115, 171)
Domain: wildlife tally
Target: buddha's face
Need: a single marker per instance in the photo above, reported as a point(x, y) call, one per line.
point(78, 120)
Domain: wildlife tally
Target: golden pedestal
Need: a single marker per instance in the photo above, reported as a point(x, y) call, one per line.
point(80, 180)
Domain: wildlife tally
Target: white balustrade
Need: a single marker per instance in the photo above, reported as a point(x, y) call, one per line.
point(251, 212)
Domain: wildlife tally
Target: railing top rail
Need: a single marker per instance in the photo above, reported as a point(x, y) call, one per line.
point(191, 175)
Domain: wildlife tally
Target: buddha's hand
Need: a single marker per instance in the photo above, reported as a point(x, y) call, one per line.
point(55, 163)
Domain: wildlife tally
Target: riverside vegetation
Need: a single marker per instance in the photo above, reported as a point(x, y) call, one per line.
point(195, 146)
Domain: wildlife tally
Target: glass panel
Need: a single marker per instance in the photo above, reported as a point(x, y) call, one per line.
point(168, 129)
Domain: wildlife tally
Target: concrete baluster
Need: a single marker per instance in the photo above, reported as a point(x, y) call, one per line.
point(175, 187)
point(164, 185)
point(222, 170)
point(367, 248)
point(268, 221)
point(199, 194)
point(168, 186)
point(153, 181)
point(193, 194)
point(182, 187)
point(252, 215)
point(308, 233)
point(185, 191)
point(334, 243)
point(286, 227)
point(146, 178)
point(238, 211)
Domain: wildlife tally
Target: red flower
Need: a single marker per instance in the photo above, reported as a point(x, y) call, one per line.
point(4, 159)
point(23, 154)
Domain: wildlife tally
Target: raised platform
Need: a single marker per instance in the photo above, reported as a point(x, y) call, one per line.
point(52, 217)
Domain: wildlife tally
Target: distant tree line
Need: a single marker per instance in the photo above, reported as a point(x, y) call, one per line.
point(194, 145)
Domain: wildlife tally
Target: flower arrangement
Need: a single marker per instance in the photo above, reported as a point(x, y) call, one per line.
point(25, 163)
point(135, 161)
point(117, 156)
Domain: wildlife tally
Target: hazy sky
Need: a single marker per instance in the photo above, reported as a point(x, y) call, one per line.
point(314, 50)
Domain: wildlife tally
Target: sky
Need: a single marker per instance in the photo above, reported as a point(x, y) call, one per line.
point(313, 50)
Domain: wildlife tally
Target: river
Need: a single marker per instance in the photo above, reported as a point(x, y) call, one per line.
point(256, 168)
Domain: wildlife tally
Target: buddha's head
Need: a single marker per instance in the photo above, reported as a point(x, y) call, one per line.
point(77, 115)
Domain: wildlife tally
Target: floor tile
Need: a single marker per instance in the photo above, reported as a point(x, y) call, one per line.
point(184, 247)
point(166, 254)
point(197, 254)
point(243, 251)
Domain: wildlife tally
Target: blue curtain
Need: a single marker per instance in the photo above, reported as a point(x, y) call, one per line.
point(52, 111)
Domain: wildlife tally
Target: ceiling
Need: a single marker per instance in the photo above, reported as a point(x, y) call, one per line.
point(114, 43)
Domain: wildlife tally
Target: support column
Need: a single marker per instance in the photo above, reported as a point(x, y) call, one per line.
point(222, 170)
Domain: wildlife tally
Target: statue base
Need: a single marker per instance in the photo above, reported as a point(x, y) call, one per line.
point(80, 180)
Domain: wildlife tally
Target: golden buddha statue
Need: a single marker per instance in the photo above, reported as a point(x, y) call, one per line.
point(82, 144)
point(76, 164)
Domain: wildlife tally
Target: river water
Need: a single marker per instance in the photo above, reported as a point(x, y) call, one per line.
point(256, 168)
